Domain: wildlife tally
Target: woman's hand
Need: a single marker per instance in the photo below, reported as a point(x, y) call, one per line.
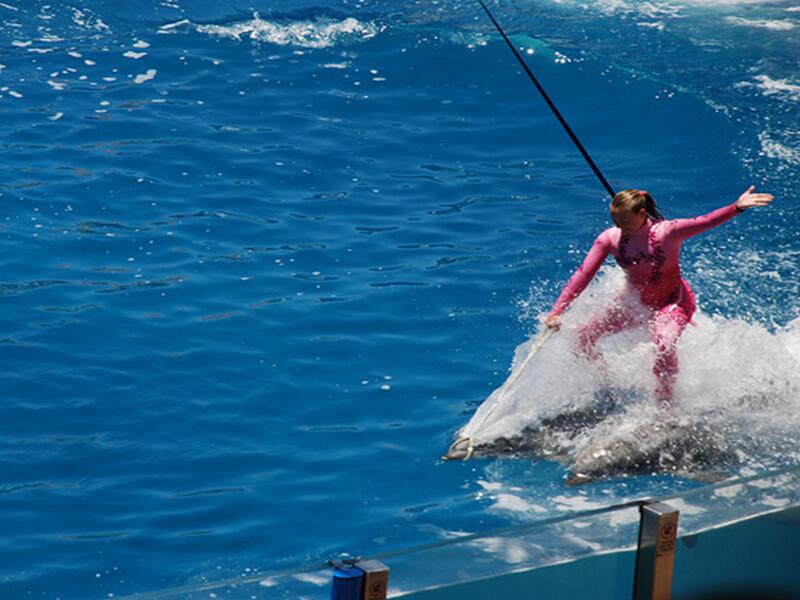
point(749, 199)
point(553, 322)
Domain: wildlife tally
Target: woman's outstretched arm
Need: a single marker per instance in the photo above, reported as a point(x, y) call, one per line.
point(686, 228)
point(581, 278)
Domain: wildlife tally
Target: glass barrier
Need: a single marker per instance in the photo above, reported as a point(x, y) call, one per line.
point(739, 540)
point(720, 504)
point(603, 541)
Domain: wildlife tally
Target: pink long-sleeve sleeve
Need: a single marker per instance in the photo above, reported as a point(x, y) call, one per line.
point(584, 274)
point(686, 228)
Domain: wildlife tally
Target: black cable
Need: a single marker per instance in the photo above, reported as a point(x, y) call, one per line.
point(552, 106)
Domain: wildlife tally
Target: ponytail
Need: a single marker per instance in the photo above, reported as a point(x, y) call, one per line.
point(636, 200)
point(650, 207)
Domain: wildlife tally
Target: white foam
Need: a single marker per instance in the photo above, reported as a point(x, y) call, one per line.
point(775, 502)
point(321, 33)
point(320, 579)
point(717, 3)
point(576, 503)
point(777, 150)
point(686, 508)
point(653, 10)
point(150, 74)
point(772, 24)
point(620, 518)
point(783, 87)
point(581, 542)
point(134, 55)
point(489, 485)
point(514, 503)
point(170, 26)
point(80, 17)
point(729, 491)
point(671, 8)
point(509, 550)
point(659, 25)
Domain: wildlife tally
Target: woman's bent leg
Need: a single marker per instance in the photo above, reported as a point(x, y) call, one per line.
point(612, 320)
point(667, 326)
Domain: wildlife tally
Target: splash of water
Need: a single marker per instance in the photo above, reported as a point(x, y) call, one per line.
point(320, 33)
point(736, 377)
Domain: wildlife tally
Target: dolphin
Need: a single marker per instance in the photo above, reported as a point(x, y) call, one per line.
point(550, 438)
point(692, 451)
point(664, 446)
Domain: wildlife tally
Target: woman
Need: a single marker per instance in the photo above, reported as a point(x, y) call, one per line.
point(647, 247)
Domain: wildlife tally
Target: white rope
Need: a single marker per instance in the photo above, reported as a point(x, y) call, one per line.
point(501, 393)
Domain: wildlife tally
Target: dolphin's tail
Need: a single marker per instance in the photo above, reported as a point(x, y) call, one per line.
point(461, 449)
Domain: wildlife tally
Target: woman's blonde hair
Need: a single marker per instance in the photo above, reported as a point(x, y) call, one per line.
point(634, 201)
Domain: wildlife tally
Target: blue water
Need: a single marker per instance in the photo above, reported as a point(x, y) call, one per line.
point(252, 283)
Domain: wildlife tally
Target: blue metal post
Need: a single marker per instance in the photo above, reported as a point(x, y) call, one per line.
point(348, 583)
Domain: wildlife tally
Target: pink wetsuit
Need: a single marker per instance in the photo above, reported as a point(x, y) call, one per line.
point(649, 257)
